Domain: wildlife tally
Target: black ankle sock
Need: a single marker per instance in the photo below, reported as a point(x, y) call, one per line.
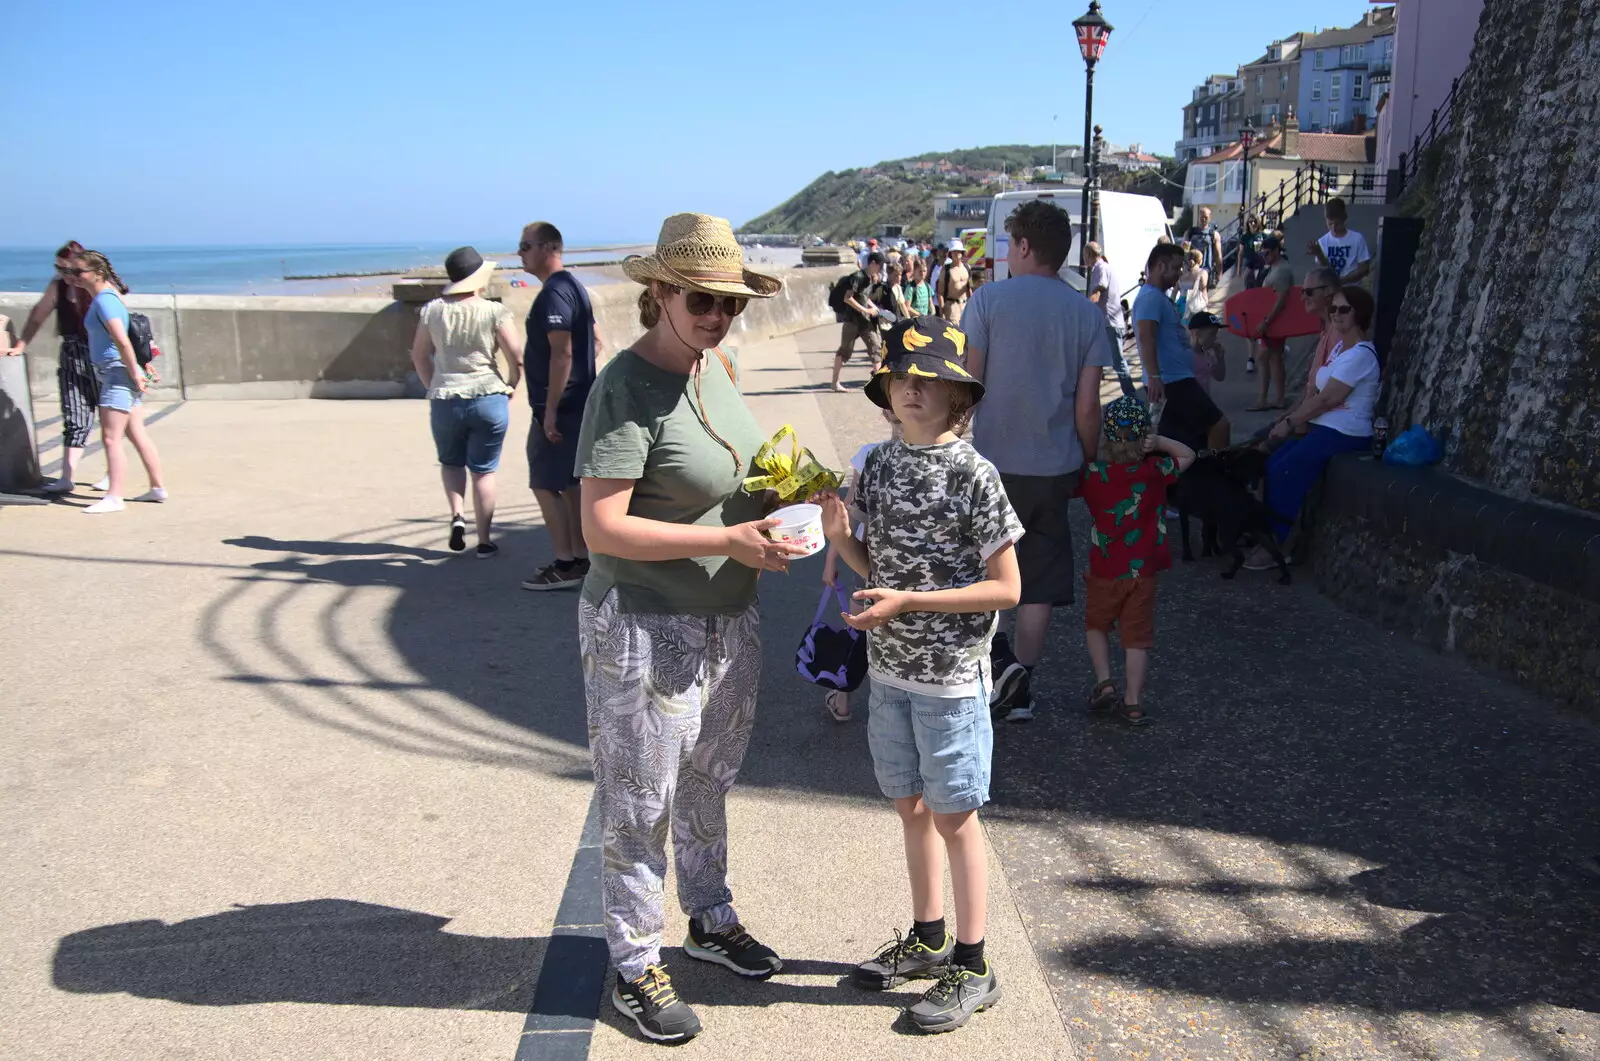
point(968, 956)
point(929, 933)
point(566, 565)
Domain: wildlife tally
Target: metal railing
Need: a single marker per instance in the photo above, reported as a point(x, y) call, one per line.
point(1442, 121)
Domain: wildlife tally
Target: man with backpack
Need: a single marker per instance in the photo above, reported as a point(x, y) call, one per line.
point(857, 311)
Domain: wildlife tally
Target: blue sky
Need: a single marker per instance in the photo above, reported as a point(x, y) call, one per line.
point(174, 122)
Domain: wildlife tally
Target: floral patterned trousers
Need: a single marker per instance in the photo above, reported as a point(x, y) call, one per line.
point(671, 702)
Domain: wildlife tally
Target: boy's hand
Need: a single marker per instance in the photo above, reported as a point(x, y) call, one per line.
point(885, 605)
point(1148, 445)
point(835, 520)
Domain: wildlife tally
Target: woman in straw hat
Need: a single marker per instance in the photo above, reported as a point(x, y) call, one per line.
point(469, 401)
point(667, 623)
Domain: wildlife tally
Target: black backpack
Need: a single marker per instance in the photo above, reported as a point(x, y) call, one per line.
point(837, 293)
point(140, 337)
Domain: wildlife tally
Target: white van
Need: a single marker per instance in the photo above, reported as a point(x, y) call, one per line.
point(1128, 226)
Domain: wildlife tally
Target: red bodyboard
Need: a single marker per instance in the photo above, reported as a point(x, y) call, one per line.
point(1247, 309)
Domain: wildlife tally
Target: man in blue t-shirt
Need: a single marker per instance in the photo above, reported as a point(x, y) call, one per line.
point(1189, 415)
point(559, 363)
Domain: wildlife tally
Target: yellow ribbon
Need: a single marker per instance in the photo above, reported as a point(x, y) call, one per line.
point(795, 476)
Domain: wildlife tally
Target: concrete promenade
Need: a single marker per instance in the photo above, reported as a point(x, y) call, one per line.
point(286, 779)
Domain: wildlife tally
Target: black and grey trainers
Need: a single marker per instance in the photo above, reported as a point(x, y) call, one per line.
point(951, 1002)
point(488, 549)
point(458, 534)
point(1012, 697)
point(655, 1007)
point(552, 577)
point(732, 947)
point(907, 958)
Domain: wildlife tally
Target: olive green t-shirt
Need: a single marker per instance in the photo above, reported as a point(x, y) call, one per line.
point(642, 423)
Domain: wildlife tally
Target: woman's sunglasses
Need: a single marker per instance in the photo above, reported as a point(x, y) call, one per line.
point(1339, 311)
point(68, 270)
point(701, 303)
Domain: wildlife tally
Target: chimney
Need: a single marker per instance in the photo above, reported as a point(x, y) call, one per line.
point(1291, 136)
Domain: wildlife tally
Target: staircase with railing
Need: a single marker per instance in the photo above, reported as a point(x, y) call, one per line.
point(1402, 176)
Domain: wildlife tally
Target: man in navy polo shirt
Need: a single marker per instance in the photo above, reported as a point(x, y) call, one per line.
point(559, 362)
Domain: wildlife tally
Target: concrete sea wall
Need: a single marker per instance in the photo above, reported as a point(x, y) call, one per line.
point(236, 347)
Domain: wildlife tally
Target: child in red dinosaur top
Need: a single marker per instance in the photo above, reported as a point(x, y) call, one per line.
point(1126, 490)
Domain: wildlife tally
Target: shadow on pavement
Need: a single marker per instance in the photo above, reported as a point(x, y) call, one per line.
point(332, 951)
point(1388, 828)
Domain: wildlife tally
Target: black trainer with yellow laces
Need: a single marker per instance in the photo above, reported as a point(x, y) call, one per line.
point(907, 958)
point(951, 1002)
point(653, 1004)
point(732, 947)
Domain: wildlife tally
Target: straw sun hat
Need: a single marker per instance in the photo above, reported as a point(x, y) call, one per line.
point(467, 271)
point(697, 252)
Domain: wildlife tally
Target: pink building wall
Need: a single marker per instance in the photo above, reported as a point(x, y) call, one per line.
point(1432, 43)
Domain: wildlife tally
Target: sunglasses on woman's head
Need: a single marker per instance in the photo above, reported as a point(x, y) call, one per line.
point(702, 302)
point(1339, 311)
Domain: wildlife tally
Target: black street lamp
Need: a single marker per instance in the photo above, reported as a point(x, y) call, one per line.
point(1247, 137)
point(1093, 31)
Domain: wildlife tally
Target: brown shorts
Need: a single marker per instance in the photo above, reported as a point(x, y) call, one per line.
point(1125, 603)
point(867, 332)
point(1044, 555)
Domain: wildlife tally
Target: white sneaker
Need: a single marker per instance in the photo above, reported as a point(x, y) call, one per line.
point(102, 484)
point(156, 494)
point(62, 485)
point(105, 504)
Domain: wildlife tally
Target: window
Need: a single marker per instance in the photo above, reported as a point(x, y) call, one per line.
point(1261, 83)
point(1316, 60)
point(1336, 86)
point(1233, 178)
point(1366, 181)
point(1358, 86)
point(1333, 118)
point(1283, 81)
point(1213, 112)
point(1269, 114)
point(1316, 88)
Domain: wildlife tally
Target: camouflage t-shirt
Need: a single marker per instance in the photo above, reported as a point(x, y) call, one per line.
point(934, 515)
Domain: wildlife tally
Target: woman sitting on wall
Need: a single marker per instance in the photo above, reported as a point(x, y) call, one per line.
point(1339, 414)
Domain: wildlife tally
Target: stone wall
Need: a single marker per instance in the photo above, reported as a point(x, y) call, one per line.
point(1499, 342)
point(1511, 585)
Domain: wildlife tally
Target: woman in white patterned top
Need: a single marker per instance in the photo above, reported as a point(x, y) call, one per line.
point(468, 397)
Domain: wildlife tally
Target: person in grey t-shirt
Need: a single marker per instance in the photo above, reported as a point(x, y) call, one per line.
point(1105, 293)
point(1039, 347)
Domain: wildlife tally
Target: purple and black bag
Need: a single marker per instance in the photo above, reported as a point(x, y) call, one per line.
point(829, 656)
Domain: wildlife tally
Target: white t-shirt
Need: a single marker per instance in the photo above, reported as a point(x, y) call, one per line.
point(1101, 276)
point(1358, 367)
point(1344, 252)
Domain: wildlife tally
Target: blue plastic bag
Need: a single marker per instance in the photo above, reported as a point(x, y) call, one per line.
point(1414, 447)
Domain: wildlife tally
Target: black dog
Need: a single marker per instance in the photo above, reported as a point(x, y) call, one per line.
point(1216, 488)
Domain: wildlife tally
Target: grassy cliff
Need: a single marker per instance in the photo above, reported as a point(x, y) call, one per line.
point(839, 205)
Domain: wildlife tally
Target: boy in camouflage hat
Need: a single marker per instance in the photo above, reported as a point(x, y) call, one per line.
point(940, 562)
point(1126, 490)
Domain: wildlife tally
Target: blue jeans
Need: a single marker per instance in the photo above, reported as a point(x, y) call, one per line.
point(1119, 361)
point(468, 432)
point(938, 746)
point(1294, 468)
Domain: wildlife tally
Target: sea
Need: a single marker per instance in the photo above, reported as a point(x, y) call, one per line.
point(262, 269)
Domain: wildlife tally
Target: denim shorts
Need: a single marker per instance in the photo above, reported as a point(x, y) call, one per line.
point(939, 746)
point(468, 432)
point(116, 388)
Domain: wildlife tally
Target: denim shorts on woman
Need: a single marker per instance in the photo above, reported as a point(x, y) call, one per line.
point(116, 388)
point(468, 432)
point(940, 746)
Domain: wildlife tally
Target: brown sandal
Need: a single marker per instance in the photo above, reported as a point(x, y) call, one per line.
point(1103, 697)
point(1131, 714)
